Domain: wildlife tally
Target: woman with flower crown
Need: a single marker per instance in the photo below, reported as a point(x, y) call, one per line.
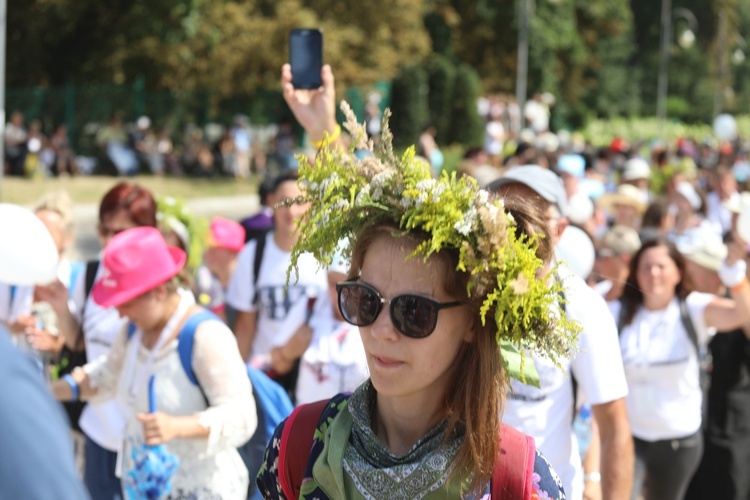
point(445, 294)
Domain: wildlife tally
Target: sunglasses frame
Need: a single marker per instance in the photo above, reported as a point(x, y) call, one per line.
point(381, 300)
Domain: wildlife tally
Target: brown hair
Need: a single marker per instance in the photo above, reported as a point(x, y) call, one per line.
point(133, 199)
point(632, 296)
point(475, 398)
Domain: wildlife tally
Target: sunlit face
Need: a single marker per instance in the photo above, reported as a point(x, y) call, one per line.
point(657, 274)
point(218, 259)
point(608, 265)
point(143, 310)
point(403, 367)
point(285, 217)
point(114, 224)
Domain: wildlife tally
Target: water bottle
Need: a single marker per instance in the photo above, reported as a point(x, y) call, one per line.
point(583, 429)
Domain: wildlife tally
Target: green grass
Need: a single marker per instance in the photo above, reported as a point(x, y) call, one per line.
point(91, 189)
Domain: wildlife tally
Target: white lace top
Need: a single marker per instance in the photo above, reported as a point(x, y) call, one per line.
point(209, 468)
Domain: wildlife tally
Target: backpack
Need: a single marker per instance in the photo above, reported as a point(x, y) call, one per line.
point(511, 479)
point(272, 404)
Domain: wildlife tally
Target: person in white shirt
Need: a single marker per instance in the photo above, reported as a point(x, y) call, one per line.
point(335, 361)
point(661, 358)
point(723, 194)
point(547, 413)
point(272, 318)
point(90, 327)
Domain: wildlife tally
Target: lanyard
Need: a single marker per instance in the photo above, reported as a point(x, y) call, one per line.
point(135, 380)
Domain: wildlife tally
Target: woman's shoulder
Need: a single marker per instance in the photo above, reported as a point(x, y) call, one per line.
point(545, 481)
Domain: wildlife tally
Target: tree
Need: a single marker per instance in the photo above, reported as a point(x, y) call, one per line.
point(409, 105)
point(466, 123)
point(440, 80)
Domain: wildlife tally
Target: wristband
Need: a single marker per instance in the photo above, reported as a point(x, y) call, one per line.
point(331, 137)
point(733, 275)
point(73, 386)
point(737, 288)
point(592, 477)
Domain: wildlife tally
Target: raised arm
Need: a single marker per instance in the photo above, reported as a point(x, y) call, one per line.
point(314, 109)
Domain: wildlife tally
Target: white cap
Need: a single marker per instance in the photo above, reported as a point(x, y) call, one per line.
point(636, 168)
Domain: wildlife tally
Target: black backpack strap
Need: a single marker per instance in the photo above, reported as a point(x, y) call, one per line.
point(92, 267)
point(260, 246)
point(687, 322)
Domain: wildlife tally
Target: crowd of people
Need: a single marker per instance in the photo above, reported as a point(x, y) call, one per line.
point(126, 149)
point(453, 343)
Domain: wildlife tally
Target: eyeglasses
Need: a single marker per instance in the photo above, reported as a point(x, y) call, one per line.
point(413, 315)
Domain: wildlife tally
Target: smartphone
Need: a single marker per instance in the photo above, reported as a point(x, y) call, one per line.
point(306, 57)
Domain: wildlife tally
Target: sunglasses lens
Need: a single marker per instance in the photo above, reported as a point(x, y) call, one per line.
point(358, 304)
point(414, 316)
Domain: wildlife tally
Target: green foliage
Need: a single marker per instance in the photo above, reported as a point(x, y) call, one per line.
point(347, 194)
point(466, 124)
point(409, 98)
point(441, 79)
point(171, 210)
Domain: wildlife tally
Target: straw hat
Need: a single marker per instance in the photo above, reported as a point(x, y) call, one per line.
point(625, 195)
point(636, 168)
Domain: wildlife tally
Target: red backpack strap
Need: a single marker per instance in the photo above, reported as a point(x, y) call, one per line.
point(294, 447)
point(514, 468)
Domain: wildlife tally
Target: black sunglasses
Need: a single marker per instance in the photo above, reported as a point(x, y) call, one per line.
point(413, 315)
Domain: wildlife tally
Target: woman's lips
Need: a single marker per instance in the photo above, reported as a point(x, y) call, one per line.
point(387, 362)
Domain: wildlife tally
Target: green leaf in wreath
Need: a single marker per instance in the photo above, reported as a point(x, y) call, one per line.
point(519, 366)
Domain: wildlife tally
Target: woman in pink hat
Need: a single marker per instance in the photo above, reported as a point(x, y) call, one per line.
point(202, 425)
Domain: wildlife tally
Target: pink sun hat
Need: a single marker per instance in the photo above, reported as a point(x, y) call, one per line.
point(135, 261)
point(227, 234)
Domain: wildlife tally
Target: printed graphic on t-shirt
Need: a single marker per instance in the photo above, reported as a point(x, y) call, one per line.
point(277, 301)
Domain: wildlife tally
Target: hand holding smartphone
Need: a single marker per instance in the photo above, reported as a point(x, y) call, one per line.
point(306, 57)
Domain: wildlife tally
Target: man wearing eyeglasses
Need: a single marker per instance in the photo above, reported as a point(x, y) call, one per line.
point(612, 265)
point(596, 372)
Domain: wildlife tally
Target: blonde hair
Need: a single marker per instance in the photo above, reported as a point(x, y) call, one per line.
point(60, 202)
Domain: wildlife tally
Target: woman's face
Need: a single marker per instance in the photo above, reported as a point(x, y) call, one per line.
point(143, 310)
point(114, 224)
point(403, 367)
point(657, 274)
point(285, 217)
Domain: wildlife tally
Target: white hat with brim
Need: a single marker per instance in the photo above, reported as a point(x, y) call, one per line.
point(625, 195)
point(28, 254)
point(636, 168)
point(703, 247)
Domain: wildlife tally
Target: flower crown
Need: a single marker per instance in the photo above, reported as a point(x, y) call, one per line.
point(347, 191)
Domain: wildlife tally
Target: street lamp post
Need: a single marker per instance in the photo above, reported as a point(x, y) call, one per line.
point(523, 55)
point(667, 18)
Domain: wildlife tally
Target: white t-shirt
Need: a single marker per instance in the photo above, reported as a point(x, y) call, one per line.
point(281, 309)
point(103, 422)
point(334, 362)
point(662, 369)
point(717, 213)
point(546, 414)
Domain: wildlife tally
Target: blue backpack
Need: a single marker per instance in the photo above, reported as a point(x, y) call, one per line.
point(272, 403)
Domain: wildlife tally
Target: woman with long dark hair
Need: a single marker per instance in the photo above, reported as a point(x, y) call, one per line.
point(663, 331)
